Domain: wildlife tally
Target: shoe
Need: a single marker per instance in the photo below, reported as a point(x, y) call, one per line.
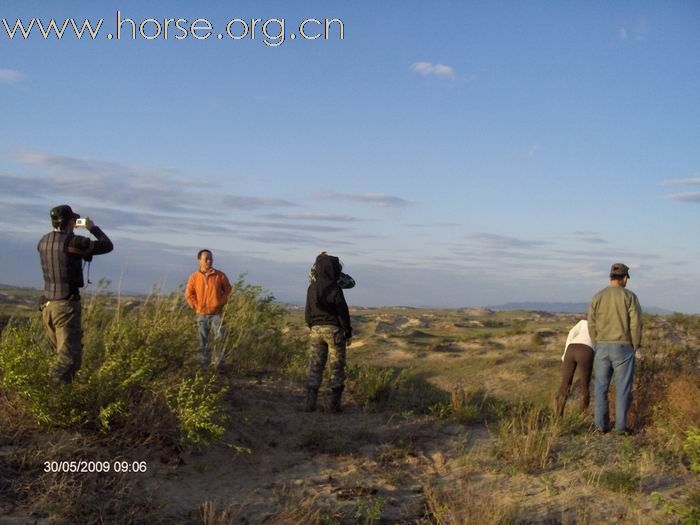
point(624, 432)
point(311, 398)
point(336, 396)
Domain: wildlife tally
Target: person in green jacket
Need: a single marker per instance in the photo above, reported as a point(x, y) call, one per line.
point(615, 328)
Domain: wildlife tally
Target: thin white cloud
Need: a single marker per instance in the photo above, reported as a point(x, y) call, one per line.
point(638, 30)
point(589, 237)
point(324, 217)
point(690, 181)
point(110, 183)
point(10, 76)
point(690, 196)
point(241, 202)
point(428, 68)
point(376, 199)
point(495, 241)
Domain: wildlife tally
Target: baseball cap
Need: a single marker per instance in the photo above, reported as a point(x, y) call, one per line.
point(619, 270)
point(63, 213)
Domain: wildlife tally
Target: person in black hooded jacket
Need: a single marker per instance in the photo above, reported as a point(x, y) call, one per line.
point(328, 317)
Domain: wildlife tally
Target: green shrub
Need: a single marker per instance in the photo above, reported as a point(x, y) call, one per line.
point(691, 447)
point(687, 513)
point(518, 327)
point(256, 335)
point(377, 389)
point(140, 379)
point(24, 370)
point(197, 404)
point(618, 479)
point(470, 407)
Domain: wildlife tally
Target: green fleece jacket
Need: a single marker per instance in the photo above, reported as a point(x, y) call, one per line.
point(614, 316)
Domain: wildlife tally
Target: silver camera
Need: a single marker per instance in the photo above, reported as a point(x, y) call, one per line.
point(80, 223)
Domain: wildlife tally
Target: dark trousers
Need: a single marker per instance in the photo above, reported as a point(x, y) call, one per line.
point(577, 356)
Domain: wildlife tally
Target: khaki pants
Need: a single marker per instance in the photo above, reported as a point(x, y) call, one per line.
point(62, 324)
point(325, 340)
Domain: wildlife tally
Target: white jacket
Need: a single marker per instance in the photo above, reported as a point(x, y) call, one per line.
point(578, 334)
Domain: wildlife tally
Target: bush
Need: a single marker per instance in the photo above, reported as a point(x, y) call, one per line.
point(197, 405)
point(667, 387)
point(687, 513)
point(620, 479)
point(470, 407)
point(256, 335)
point(527, 435)
point(518, 327)
point(140, 380)
point(691, 447)
point(377, 389)
point(122, 388)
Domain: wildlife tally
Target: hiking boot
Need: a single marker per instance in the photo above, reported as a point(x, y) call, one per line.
point(336, 395)
point(311, 397)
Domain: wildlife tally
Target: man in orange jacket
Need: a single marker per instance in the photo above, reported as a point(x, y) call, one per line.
point(207, 293)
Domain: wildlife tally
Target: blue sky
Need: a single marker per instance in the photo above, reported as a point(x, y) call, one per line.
point(452, 153)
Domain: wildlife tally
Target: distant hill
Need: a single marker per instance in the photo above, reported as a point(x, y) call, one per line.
point(531, 306)
point(565, 308)
point(8, 287)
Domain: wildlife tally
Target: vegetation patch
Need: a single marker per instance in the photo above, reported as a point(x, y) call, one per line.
point(527, 435)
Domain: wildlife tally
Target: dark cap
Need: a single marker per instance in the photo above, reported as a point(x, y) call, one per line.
point(63, 213)
point(619, 270)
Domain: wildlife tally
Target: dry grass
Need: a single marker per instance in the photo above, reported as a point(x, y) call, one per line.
point(527, 437)
point(211, 514)
point(306, 510)
point(65, 497)
point(464, 505)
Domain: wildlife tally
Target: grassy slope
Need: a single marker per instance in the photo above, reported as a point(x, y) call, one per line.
point(445, 467)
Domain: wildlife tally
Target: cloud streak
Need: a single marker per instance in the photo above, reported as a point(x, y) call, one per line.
point(240, 202)
point(589, 237)
point(429, 69)
point(111, 183)
point(687, 182)
point(375, 199)
point(690, 196)
point(10, 76)
point(322, 217)
point(495, 241)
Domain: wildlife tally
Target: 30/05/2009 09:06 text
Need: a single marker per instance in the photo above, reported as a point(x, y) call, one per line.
point(84, 466)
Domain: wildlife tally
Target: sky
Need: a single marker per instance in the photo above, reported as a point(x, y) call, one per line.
point(451, 153)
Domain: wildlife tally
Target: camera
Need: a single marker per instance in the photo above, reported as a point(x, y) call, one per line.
point(80, 223)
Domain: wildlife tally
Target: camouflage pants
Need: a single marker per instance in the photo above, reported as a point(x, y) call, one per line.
point(62, 324)
point(325, 339)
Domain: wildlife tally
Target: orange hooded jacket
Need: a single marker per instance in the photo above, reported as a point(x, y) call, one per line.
point(207, 293)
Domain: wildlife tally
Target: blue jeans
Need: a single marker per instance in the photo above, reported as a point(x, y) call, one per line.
point(206, 325)
point(617, 358)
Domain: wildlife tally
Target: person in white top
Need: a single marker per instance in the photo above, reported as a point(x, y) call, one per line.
point(578, 353)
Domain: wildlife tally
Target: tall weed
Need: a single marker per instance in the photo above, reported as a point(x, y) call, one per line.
point(527, 435)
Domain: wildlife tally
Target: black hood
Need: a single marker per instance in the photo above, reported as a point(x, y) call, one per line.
point(327, 270)
point(325, 303)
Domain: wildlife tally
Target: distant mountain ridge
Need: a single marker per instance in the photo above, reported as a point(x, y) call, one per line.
point(565, 308)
